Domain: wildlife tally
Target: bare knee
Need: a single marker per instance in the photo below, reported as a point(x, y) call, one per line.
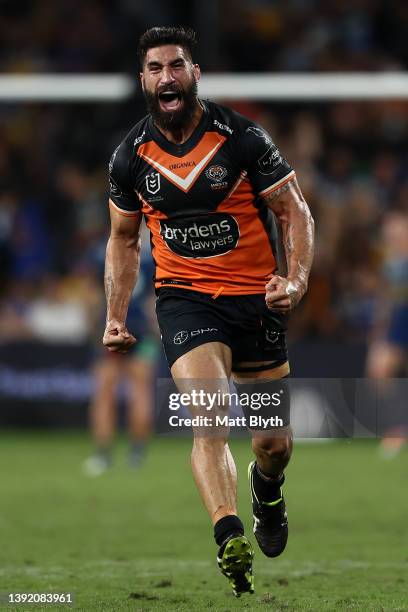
point(275, 448)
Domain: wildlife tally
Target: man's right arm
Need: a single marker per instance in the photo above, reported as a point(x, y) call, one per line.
point(121, 272)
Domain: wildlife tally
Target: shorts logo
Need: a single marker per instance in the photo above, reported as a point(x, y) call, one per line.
point(114, 188)
point(153, 182)
point(271, 336)
point(112, 159)
point(216, 173)
point(180, 337)
point(201, 236)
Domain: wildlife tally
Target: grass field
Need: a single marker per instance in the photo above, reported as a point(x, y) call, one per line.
point(140, 540)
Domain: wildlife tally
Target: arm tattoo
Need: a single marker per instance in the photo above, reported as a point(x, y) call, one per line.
point(109, 285)
point(121, 267)
point(278, 192)
point(288, 239)
point(296, 222)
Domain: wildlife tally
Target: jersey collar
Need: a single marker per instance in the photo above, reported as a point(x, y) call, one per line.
point(179, 150)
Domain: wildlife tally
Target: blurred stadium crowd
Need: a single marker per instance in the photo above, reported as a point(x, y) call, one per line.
point(351, 158)
point(249, 35)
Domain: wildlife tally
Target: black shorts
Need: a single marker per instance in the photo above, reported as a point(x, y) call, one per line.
point(189, 318)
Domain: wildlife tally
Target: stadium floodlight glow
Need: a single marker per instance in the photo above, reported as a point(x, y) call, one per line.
point(65, 88)
point(324, 86)
point(228, 86)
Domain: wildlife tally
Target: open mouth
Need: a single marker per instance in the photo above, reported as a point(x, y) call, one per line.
point(170, 100)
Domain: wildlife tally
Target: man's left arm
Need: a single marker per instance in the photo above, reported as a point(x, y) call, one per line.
point(293, 214)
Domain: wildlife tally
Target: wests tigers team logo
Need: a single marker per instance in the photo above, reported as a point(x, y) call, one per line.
point(216, 173)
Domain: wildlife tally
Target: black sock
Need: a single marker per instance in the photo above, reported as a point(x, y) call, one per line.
point(266, 489)
point(227, 526)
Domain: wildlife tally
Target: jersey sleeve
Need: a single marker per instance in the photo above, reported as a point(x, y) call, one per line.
point(267, 168)
point(121, 185)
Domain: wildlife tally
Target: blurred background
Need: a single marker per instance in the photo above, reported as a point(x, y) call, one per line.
point(140, 539)
point(350, 156)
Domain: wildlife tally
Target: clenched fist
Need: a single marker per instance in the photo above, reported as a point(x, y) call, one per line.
point(283, 294)
point(116, 338)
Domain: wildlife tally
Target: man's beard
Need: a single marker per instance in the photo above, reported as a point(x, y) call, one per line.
point(178, 119)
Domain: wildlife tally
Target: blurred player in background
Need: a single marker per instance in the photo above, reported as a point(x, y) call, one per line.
point(209, 182)
point(134, 372)
point(388, 351)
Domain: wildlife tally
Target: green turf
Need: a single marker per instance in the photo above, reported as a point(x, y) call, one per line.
point(140, 540)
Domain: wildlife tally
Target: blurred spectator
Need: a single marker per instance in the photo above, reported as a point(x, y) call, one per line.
point(388, 349)
point(54, 224)
point(14, 306)
point(350, 156)
point(388, 354)
point(326, 35)
point(136, 370)
point(55, 317)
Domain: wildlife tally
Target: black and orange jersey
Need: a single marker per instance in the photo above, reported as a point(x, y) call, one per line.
point(210, 230)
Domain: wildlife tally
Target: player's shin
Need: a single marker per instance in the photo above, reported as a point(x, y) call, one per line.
point(216, 479)
point(272, 445)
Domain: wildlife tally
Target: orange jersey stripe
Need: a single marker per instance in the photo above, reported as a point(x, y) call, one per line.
point(182, 172)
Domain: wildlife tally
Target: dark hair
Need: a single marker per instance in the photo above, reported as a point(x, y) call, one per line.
point(159, 36)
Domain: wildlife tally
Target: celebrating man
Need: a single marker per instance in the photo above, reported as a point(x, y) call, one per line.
point(210, 184)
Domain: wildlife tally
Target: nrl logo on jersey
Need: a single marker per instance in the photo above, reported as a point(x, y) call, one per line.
point(153, 182)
